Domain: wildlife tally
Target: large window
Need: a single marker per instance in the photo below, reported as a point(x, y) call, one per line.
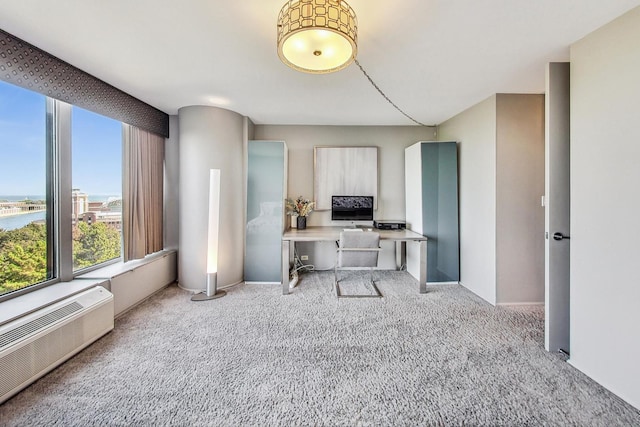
point(97, 188)
point(41, 141)
point(25, 220)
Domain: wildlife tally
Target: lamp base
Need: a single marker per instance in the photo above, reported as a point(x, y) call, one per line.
point(204, 297)
point(212, 291)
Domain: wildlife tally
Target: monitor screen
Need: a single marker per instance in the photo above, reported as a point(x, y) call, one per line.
point(352, 208)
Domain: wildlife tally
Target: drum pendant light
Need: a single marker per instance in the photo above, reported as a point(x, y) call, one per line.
point(317, 36)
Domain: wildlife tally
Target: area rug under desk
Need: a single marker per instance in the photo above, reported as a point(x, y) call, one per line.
point(256, 357)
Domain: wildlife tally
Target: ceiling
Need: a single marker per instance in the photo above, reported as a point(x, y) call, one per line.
point(432, 58)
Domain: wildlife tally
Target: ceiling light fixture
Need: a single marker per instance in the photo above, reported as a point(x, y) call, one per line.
point(317, 36)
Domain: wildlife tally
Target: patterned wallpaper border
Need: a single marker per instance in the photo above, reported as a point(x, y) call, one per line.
point(25, 65)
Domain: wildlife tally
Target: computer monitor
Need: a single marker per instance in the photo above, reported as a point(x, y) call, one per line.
point(352, 208)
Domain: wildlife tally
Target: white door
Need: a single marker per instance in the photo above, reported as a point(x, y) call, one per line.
point(557, 204)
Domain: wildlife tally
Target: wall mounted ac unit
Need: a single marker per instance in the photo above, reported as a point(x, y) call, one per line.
point(34, 344)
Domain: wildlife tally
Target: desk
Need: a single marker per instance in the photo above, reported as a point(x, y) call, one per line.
point(325, 234)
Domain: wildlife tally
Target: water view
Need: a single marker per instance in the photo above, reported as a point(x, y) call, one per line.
point(19, 221)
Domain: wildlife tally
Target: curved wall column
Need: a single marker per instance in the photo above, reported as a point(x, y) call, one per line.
point(210, 138)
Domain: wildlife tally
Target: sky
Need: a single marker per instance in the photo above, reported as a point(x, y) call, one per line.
point(96, 147)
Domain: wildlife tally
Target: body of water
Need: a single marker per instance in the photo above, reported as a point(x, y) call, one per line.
point(19, 221)
point(20, 198)
point(99, 198)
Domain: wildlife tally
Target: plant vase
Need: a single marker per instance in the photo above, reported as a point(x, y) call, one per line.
point(302, 222)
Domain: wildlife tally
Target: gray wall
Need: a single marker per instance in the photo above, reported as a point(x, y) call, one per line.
point(475, 131)
point(391, 142)
point(605, 206)
point(211, 138)
point(519, 188)
point(501, 147)
point(558, 201)
point(171, 185)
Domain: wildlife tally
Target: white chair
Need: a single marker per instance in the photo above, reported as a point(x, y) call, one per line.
point(357, 250)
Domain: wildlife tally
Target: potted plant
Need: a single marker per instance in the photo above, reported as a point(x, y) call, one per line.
point(300, 208)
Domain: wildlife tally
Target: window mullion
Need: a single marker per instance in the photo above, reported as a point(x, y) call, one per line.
point(61, 134)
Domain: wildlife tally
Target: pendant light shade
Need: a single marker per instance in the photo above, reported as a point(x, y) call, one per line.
point(317, 36)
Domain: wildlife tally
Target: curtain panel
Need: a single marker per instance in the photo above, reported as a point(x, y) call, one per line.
point(143, 158)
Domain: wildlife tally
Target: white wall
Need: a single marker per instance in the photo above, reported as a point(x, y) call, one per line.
point(413, 187)
point(605, 206)
point(413, 203)
point(475, 131)
point(391, 142)
point(211, 138)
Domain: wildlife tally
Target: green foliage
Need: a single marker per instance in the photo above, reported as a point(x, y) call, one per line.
point(23, 257)
point(93, 244)
point(23, 252)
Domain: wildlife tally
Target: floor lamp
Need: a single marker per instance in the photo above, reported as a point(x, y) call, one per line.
point(212, 291)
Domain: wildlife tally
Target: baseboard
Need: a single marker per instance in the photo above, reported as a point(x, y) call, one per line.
point(262, 283)
point(442, 283)
point(492, 303)
point(519, 304)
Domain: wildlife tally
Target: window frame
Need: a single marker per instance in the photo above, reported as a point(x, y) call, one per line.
point(66, 123)
point(59, 201)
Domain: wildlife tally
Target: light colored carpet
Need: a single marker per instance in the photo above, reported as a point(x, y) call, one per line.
point(256, 357)
point(356, 283)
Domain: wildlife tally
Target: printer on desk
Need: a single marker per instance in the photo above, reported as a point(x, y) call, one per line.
point(389, 224)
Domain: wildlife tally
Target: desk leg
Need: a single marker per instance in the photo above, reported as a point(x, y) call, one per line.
point(423, 267)
point(285, 266)
point(400, 253)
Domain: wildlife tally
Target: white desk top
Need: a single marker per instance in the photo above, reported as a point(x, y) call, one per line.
point(315, 234)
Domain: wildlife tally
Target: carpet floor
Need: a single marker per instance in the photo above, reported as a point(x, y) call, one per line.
point(256, 357)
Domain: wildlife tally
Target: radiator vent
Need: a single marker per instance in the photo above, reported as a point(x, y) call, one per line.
point(35, 344)
point(37, 324)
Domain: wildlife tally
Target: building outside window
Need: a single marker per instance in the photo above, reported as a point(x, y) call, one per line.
point(97, 188)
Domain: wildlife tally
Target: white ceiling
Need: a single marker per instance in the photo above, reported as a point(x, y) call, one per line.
point(433, 58)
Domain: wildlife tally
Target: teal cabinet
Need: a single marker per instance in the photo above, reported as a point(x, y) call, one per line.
point(431, 185)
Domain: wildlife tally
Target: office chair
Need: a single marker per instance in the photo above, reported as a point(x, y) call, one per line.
point(357, 250)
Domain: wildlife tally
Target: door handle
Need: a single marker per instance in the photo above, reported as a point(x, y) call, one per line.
point(560, 236)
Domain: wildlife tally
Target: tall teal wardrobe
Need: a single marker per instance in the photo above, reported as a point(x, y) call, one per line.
point(266, 191)
point(431, 197)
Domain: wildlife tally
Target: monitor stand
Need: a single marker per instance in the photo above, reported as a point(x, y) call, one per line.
point(352, 227)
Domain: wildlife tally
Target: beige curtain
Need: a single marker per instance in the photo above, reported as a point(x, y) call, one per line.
point(143, 159)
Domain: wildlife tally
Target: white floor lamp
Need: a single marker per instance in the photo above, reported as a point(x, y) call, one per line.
point(212, 291)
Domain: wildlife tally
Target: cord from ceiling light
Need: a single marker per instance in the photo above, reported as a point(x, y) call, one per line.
point(386, 97)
